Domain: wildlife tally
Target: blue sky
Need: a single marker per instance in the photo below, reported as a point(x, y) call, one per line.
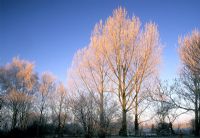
point(49, 32)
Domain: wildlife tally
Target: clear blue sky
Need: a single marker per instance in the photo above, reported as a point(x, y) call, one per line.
point(49, 32)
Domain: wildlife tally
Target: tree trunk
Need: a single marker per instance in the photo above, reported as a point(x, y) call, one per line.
point(136, 116)
point(198, 111)
point(102, 121)
point(196, 116)
point(136, 125)
point(23, 118)
point(14, 118)
point(123, 130)
point(171, 128)
point(122, 87)
point(59, 125)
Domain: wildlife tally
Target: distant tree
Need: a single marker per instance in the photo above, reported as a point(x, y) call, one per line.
point(2, 100)
point(46, 87)
point(163, 129)
point(84, 110)
point(153, 129)
point(192, 125)
point(140, 106)
point(59, 106)
point(18, 80)
point(163, 110)
point(111, 112)
point(166, 107)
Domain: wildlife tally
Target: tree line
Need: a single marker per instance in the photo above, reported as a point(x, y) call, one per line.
point(111, 80)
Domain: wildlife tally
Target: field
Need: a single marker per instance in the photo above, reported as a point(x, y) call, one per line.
point(133, 137)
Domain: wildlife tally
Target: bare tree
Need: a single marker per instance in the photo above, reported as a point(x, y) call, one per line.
point(62, 110)
point(168, 103)
point(46, 87)
point(132, 55)
point(84, 110)
point(90, 72)
point(18, 80)
point(142, 106)
point(190, 57)
point(2, 100)
point(59, 105)
point(123, 54)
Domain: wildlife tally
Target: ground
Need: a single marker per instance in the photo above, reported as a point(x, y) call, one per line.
point(137, 137)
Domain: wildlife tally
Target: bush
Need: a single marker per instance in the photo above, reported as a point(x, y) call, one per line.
point(163, 129)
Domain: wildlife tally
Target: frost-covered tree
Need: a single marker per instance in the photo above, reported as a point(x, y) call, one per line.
point(123, 54)
point(133, 54)
point(90, 74)
point(190, 74)
point(59, 106)
point(17, 80)
point(46, 87)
